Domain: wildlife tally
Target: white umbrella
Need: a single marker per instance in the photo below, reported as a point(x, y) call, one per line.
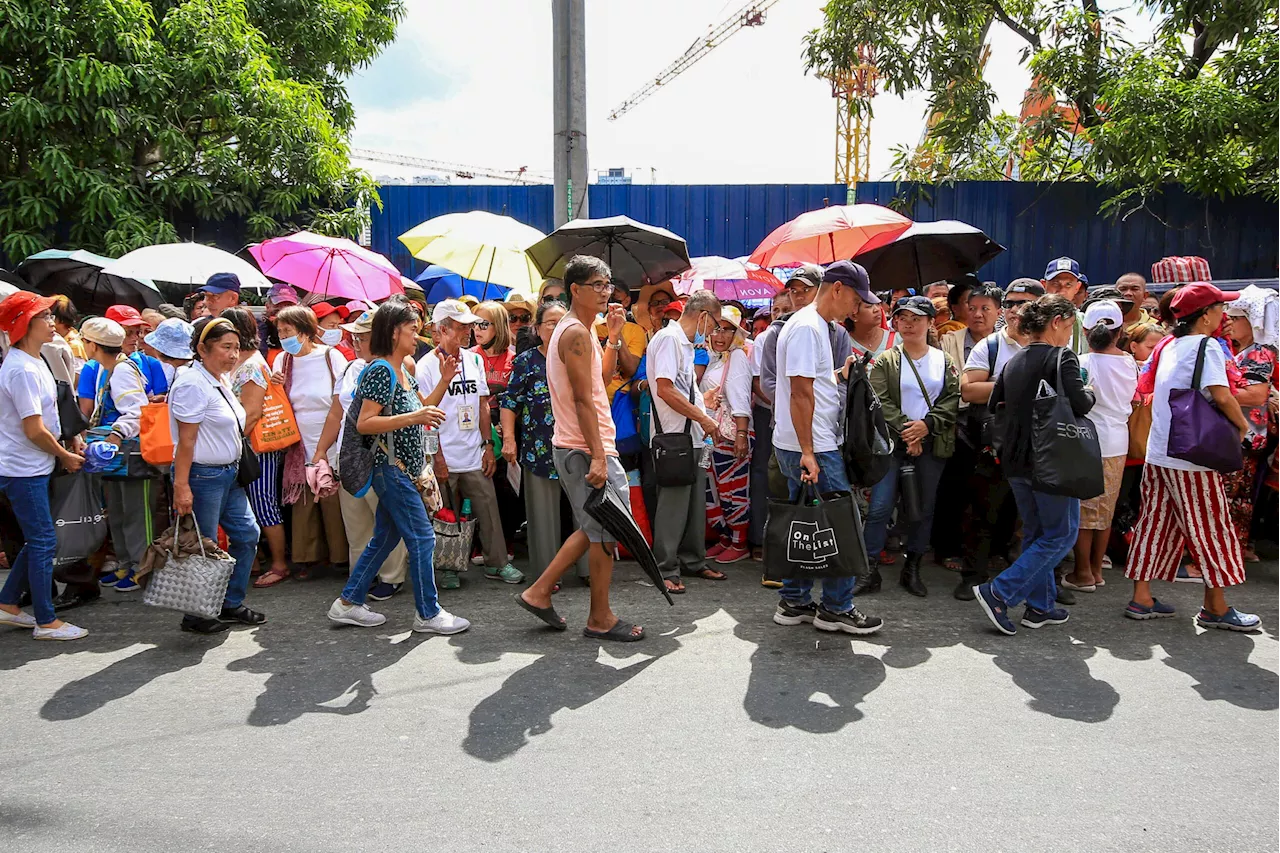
point(185, 263)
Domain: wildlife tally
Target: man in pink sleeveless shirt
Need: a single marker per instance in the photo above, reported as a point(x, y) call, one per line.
point(585, 454)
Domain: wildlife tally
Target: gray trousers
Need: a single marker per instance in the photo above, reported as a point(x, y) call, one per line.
point(129, 517)
point(478, 488)
point(680, 527)
point(542, 499)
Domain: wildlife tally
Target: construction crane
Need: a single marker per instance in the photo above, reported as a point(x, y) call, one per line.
point(750, 15)
point(853, 88)
point(516, 176)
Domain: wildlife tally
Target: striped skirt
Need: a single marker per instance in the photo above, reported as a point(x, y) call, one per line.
point(264, 492)
point(1184, 510)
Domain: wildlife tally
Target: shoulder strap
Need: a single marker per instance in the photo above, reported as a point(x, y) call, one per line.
point(1198, 373)
point(1057, 385)
point(919, 381)
point(993, 352)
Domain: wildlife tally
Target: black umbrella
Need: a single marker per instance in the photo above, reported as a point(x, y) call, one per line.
point(928, 252)
point(638, 254)
point(79, 275)
point(607, 507)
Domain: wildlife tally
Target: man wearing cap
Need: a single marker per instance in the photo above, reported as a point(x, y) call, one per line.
point(222, 291)
point(1063, 277)
point(680, 522)
point(809, 432)
point(994, 514)
point(93, 379)
point(1132, 288)
point(453, 379)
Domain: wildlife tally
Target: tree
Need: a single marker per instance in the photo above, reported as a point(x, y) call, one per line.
point(121, 121)
point(1196, 106)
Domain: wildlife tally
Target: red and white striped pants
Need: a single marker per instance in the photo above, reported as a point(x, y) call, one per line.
point(1184, 509)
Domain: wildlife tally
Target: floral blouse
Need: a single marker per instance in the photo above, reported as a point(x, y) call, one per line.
point(528, 395)
point(1258, 366)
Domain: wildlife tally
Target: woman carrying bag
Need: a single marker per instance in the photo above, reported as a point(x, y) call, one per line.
point(1184, 504)
point(919, 389)
point(1050, 522)
point(726, 389)
point(212, 463)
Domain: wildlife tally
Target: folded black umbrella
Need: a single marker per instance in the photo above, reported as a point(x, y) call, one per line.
point(928, 252)
point(607, 507)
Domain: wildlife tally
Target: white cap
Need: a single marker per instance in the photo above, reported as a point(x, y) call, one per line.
point(1105, 312)
point(452, 309)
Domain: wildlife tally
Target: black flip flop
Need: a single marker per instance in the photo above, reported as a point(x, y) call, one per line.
point(546, 614)
point(619, 633)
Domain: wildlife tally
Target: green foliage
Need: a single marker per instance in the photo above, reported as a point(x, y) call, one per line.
point(122, 120)
point(1196, 106)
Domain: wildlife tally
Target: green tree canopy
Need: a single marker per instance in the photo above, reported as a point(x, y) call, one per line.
point(1197, 105)
point(122, 119)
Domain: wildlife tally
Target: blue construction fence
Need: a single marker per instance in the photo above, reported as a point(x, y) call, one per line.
point(1240, 237)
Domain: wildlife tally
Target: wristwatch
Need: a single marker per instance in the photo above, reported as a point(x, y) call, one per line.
point(487, 441)
point(614, 346)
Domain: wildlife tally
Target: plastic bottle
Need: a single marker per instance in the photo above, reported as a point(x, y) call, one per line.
point(466, 508)
point(705, 459)
point(431, 441)
point(98, 455)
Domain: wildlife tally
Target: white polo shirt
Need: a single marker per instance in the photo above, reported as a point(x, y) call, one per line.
point(198, 397)
point(26, 389)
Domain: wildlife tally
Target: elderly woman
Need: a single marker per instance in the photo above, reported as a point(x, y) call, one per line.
point(208, 423)
point(171, 342)
point(726, 389)
point(29, 451)
point(309, 372)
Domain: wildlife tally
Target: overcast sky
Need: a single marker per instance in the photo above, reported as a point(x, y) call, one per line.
point(471, 83)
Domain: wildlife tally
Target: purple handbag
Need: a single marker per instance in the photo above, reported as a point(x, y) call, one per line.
point(1198, 432)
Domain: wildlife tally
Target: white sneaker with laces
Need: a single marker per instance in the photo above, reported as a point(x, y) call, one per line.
point(66, 631)
point(354, 614)
point(443, 622)
point(17, 620)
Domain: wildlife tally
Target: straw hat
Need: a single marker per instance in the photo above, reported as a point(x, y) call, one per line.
point(641, 309)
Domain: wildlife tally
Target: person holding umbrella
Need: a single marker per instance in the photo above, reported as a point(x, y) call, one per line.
point(576, 367)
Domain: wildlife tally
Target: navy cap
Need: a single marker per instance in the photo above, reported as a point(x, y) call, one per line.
point(851, 275)
point(1061, 265)
point(1025, 285)
point(222, 282)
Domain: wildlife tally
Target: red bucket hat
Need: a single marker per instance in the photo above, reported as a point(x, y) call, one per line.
point(17, 310)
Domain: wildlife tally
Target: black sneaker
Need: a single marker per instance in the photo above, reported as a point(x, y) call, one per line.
point(794, 614)
point(242, 615)
point(201, 625)
point(853, 622)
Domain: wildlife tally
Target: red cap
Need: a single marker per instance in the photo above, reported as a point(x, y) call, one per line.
point(126, 315)
point(676, 306)
point(1191, 298)
point(324, 309)
point(16, 312)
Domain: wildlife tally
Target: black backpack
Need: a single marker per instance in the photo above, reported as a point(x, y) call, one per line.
point(868, 443)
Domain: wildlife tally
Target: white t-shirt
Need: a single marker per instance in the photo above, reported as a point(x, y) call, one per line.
point(1006, 347)
point(887, 339)
point(197, 397)
point(670, 356)
point(1114, 379)
point(804, 349)
point(460, 438)
point(26, 389)
point(311, 394)
point(736, 389)
point(933, 370)
point(1177, 364)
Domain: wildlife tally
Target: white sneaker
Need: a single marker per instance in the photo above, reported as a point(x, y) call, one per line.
point(17, 620)
point(66, 632)
point(443, 622)
point(354, 614)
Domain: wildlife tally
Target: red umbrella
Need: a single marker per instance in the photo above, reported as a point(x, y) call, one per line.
point(829, 235)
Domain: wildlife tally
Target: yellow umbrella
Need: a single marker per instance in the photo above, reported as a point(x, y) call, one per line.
point(480, 246)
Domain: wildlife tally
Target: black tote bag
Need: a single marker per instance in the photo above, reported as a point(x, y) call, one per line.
point(1066, 456)
point(814, 537)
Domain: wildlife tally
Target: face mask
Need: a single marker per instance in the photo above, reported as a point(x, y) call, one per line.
point(331, 337)
point(291, 344)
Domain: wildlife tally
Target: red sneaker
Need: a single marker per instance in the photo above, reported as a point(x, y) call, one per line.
point(716, 550)
point(732, 555)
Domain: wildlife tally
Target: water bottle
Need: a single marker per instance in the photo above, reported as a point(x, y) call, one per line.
point(705, 459)
point(466, 509)
point(909, 489)
point(431, 441)
point(98, 456)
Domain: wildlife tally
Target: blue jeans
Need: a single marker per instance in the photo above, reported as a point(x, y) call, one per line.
point(219, 500)
point(33, 567)
point(884, 495)
point(401, 515)
point(837, 593)
point(1049, 527)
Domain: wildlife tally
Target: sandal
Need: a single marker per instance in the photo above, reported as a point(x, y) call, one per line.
point(708, 574)
point(675, 586)
point(546, 614)
point(619, 633)
point(953, 564)
point(270, 579)
point(303, 572)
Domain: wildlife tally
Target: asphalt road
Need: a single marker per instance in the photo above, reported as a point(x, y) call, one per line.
point(722, 731)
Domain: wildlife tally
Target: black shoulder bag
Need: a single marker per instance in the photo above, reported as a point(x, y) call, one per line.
point(674, 462)
point(71, 420)
point(250, 468)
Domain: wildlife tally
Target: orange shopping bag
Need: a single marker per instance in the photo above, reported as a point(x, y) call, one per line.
point(154, 436)
point(277, 428)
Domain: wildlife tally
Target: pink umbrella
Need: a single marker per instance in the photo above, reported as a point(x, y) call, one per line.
point(328, 266)
point(727, 279)
point(829, 235)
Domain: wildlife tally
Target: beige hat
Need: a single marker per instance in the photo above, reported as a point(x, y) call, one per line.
point(641, 309)
point(361, 325)
point(518, 300)
point(103, 332)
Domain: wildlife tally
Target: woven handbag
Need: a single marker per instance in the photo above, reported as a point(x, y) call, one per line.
point(453, 544)
point(192, 583)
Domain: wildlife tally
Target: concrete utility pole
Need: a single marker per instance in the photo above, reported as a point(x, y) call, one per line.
point(569, 52)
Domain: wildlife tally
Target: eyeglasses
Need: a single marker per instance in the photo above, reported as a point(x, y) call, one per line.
point(483, 324)
point(520, 319)
point(602, 287)
point(658, 303)
point(720, 330)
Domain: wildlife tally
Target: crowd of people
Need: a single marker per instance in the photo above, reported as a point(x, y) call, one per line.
point(695, 412)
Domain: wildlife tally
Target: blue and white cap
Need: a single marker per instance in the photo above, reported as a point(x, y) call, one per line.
point(1061, 265)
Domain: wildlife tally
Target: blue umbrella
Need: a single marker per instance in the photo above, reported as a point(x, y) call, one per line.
point(440, 283)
